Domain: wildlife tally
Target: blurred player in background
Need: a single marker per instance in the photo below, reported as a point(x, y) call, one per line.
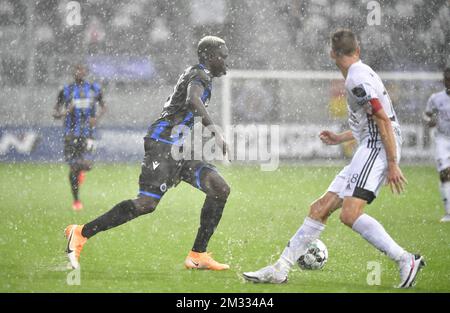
point(160, 170)
point(437, 113)
point(77, 105)
point(374, 125)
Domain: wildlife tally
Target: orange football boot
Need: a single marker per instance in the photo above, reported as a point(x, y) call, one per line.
point(75, 243)
point(203, 261)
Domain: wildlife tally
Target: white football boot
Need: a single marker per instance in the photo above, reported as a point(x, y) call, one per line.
point(445, 219)
point(269, 274)
point(410, 265)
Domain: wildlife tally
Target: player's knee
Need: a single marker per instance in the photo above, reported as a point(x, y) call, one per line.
point(87, 166)
point(84, 165)
point(444, 175)
point(215, 186)
point(74, 168)
point(225, 190)
point(220, 191)
point(145, 205)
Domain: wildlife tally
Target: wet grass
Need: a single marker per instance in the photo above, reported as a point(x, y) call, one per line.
point(264, 210)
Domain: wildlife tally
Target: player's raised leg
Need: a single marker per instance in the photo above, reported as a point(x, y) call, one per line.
point(206, 178)
point(77, 172)
point(74, 185)
point(125, 211)
point(312, 227)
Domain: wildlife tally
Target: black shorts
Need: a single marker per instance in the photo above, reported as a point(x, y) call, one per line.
point(160, 171)
point(75, 149)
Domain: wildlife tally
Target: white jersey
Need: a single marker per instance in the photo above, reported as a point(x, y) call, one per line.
point(361, 85)
point(439, 104)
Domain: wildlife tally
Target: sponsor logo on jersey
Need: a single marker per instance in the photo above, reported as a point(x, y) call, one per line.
point(359, 92)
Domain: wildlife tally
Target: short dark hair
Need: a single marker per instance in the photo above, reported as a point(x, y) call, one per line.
point(208, 45)
point(344, 42)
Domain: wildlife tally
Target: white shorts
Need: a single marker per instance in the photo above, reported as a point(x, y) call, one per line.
point(442, 155)
point(364, 176)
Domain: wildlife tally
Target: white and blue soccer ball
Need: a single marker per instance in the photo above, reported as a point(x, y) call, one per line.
point(315, 257)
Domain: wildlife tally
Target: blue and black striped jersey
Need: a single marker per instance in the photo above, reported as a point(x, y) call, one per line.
point(176, 112)
point(83, 98)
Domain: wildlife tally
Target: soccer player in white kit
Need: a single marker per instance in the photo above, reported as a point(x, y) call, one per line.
point(437, 114)
point(374, 125)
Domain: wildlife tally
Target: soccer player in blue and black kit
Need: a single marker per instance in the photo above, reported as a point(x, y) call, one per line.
point(160, 170)
point(77, 105)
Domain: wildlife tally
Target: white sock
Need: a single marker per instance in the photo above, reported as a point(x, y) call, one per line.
point(308, 232)
point(445, 194)
point(374, 233)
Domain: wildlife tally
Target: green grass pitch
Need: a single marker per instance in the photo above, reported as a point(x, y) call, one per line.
point(264, 210)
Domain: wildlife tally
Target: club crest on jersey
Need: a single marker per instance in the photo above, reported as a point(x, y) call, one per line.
point(359, 92)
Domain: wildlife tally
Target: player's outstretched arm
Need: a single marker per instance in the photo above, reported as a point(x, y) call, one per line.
point(395, 177)
point(331, 138)
point(193, 99)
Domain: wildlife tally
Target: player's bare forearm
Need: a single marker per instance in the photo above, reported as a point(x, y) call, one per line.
point(395, 177)
point(331, 138)
point(387, 136)
point(200, 110)
point(346, 136)
point(194, 100)
point(430, 119)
